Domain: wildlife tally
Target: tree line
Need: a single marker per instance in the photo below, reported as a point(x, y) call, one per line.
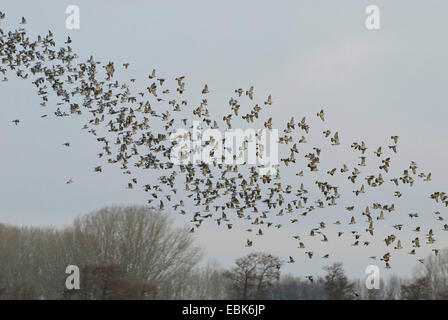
point(135, 253)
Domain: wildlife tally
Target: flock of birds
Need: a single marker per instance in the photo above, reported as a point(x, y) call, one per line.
point(135, 134)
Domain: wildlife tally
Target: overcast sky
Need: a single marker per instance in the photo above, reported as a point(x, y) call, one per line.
point(307, 54)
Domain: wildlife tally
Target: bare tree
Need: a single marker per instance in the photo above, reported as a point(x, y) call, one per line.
point(30, 258)
point(141, 241)
point(416, 289)
point(254, 276)
point(337, 285)
point(435, 269)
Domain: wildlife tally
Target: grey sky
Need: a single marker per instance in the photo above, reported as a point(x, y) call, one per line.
point(307, 54)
